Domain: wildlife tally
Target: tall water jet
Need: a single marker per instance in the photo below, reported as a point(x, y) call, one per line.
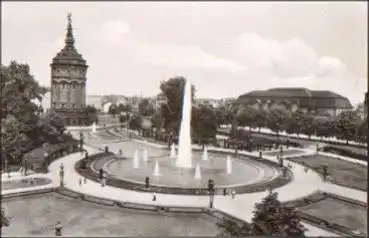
point(156, 169)
point(136, 160)
point(173, 151)
point(205, 154)
point(94, 127)
point(184, 159)
point(197, 172)
point(145, 156)
point(229, 165)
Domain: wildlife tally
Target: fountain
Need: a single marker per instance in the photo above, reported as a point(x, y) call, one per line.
point(136, 160)
point(184, 159)
point(156, 169)
point(145, 156)
point(197, 172)
point(229, 165)
point(173, 151)
point(94, 127)
point(205, 154)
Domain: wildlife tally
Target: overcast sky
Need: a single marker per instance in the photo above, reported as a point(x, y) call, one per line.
point(224, 48)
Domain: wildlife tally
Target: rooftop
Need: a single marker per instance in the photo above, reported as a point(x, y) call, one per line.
point(69, 54)
point(334, 100)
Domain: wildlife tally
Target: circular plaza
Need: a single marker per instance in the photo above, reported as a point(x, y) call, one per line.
point(132, 162)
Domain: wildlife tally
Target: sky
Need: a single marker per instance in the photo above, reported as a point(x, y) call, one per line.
point(224, 48)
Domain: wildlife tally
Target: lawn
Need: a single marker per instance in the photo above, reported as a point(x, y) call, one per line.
point(36, 215)
point(336, 211)
point(344, 173)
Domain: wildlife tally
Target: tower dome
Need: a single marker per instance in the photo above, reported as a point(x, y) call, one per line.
point(69, 54)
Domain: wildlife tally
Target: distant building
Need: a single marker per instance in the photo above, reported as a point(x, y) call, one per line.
point(322, 102)
point(68, 82)
point(122, 100)
point(207, 102)
point(160, 100)
point(106, 106)
point(94, 101)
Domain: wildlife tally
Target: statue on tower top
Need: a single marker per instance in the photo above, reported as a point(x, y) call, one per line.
point(69, 17)
point(69, 39)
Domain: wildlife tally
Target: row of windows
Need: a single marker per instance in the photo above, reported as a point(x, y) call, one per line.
point(64, 84)
point(64, 105)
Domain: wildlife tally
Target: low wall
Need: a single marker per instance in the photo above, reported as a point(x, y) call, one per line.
point(27, 193)
point(83, 167)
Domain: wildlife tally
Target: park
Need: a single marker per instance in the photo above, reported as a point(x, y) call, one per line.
point(174, 168)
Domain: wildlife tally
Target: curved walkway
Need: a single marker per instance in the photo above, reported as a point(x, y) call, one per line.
point(303, 185)
point(241, 207)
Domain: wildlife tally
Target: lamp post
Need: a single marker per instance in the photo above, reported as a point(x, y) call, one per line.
point(81, 141)
point(46, 160)
point(6, 167)
point(211, 192)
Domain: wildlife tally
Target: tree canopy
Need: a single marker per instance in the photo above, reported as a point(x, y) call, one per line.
point(270, 219)
point(173, 89)
point(23, 125)
point(146, 108)
point(204, 124)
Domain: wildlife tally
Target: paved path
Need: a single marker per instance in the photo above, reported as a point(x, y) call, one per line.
point(242, 206)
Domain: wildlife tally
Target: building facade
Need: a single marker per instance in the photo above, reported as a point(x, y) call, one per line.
point(68, 82)
point(161, 99)
point(322, 102)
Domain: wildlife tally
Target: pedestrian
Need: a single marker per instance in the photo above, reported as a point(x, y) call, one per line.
point(103, 180)
point(58, 229)
point(154, 197)
point(80, 181)
point(101, 172)
point(233, 194)
point(25, 167)
point(224, 191)
point(84, 180)
point(61, 174)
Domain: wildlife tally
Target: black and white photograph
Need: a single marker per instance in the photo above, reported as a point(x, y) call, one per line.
point(184, 119)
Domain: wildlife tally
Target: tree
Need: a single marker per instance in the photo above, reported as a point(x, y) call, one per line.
point(19, 112)
point(55, 120)
point(235, 229)
point(363, 132)
point(135, 123)
point(221, 116)
point(273, 219)
point(113, 110)
point(4, 219)
point(324, 126)
point(270, 219)
point(347, 125)
point(173, 89)
point(92, 115)
point(294, 122)
point(204, 125)
point(146, 108)
point(23, 126)
point(247, 117)
point(124, 108)
point(276, 119)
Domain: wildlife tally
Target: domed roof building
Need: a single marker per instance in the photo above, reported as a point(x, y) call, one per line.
point(323, 102)
point(68, 82)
